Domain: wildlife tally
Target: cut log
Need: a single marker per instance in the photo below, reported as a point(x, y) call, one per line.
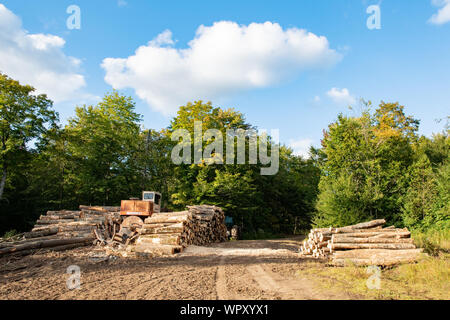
point(372, 230)
point(370, 240)
point(161, 239)
point(166, 219)
point(100, 209)
point(157, 249)
point(170, 214)
point(197, 226)
point(50, 221)
point(44, 250)
point(369, 253)
point(37, 234)
point(58, 217)
point(349, 246)
point(169, 229)
point(44, 244)
point(364, 225)
point(396, 234)
point(373, 262)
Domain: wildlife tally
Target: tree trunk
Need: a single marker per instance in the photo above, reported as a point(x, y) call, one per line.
point(375, 257)
point(372, 240)
point(390, 234)
point(392, 246)
point(374, 261)
point(44, 244)
point(3, 181)
point(38, 234)
point(375, 253)
point(364, 225)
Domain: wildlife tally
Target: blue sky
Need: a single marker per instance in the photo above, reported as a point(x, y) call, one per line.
point(407, 60)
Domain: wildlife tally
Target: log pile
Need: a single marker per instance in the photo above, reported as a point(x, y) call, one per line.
point(169, 233)
point(63, 230)
point(163, 233)
point(362, 244)
point(108, 219)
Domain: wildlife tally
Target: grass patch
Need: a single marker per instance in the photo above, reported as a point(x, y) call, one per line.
point(433, 242)
point(425, 280)
point(9, 235)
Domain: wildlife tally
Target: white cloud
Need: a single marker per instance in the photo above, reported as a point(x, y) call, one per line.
point(164, 38)
point(341, 96)
point(222, 59)
point(301, 147)
point(37, 59)
point(443, 15)
point(45, 42)
point(122, 3)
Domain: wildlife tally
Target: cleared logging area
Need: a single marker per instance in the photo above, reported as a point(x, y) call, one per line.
point(368, 243)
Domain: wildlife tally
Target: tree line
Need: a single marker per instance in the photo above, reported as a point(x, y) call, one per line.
point(370, 166)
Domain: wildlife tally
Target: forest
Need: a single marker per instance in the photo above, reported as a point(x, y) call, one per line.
point(374, 165)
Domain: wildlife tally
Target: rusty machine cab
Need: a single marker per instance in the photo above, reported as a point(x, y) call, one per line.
point(154, 197)
point(150, 203)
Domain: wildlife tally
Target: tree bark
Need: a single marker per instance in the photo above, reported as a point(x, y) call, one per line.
point(369, 253)
point(364, 225)
point(37, 234)
point(391, 234)
point(372, 240)
point(374, 261)
point(392, 246)
point(3, 181)
point(372, 230)
point(375, 257)
point(172, 239)
point(44, 244)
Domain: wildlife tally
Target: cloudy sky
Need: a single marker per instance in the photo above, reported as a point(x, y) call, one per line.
point(288, 65)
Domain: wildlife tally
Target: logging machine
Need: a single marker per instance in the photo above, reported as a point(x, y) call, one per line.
point(134, 211)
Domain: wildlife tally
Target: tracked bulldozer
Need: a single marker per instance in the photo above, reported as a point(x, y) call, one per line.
point(133, 212)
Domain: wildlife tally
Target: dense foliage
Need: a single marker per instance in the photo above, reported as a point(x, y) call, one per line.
point(370, 166)
point(376, 166)
point(103, 155)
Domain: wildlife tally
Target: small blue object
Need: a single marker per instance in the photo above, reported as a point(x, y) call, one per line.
point(228, 220)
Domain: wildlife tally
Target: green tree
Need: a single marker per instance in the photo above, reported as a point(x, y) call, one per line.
point(363, 166)
point(421, 194)
point(440, 218)
point(426, 203)
point(154, 164)
point(277, 204)
point(102, 142)
point(23, 117)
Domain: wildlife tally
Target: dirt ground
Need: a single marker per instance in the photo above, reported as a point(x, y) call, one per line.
point(254, 270)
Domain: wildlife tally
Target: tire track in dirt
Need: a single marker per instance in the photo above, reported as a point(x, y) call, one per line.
point(262, 278)
point(221, 281)
point(231, 283)
point(300, 288)
point(140, 289)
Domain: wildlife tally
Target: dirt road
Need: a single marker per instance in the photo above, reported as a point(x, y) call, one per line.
point(263, 269)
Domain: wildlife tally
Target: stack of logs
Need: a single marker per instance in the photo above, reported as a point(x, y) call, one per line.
point(169, 233)
point(63, 230)
point(362, 244)
point(108, 222)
